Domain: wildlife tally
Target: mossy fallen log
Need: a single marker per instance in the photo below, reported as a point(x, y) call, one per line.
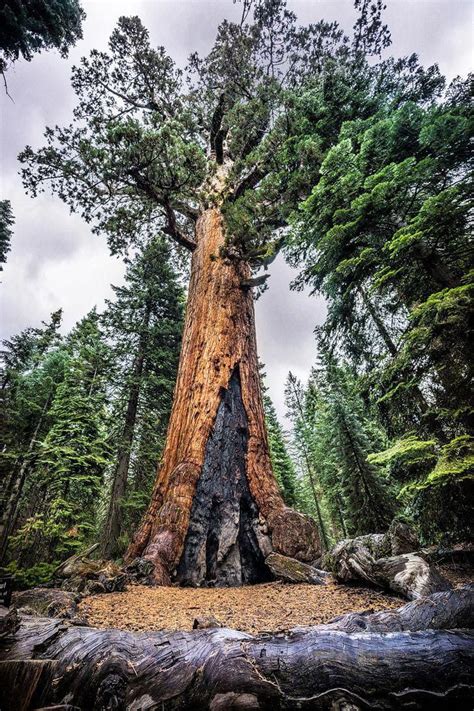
point(421, 656)
point(291, 570)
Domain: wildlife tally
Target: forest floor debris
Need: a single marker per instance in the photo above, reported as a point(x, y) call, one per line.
point(253, 608)
point(268, 607)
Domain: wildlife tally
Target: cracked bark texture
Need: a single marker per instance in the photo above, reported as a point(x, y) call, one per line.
point(224, 545)
point(218, 340)
point(418, 657)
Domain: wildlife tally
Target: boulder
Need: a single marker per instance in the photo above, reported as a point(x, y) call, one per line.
point(46, 602)
point(294, 571)
point(9, 622)
point(295, 535)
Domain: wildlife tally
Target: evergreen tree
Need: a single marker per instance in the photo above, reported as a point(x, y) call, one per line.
point(32, 368)
point(369, 505)
point(384, 236)
point(219, 163)
point(6, 221)
point(302, 438)
point(143, 325)
point(283, 466)
point(67, 475)
point(29, 26)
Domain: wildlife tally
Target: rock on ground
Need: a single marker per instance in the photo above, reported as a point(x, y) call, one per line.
point(293, 571)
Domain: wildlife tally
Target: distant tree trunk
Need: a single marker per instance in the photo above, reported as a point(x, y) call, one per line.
point(215, 498)
point(381, 328)
point(340, 516)
point(114, 521)
point(16, 484)
point(312, 477)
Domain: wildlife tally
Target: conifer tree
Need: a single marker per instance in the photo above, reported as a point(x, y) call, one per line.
point(303, 435)
point(32, 369)
point(215, 163)
point(385, 237)
point(6, 222)
point(29, 26)
point(68, 471)
point(283, 466)
point(369, 506)
point(143, 325)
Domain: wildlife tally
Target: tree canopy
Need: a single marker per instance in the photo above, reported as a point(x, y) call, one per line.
point(30, 26)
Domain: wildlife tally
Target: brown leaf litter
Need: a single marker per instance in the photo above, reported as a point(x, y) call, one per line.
point(269, 607)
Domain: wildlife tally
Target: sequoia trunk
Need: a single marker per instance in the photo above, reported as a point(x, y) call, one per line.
point(215, 502)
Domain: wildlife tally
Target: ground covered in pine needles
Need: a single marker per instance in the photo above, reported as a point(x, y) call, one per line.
point(253, 608)
point(269, 607)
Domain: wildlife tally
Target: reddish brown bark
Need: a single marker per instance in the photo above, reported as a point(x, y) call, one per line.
point(219, 336)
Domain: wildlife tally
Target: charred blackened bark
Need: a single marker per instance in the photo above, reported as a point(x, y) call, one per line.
point(224, 544)
point(218, 341)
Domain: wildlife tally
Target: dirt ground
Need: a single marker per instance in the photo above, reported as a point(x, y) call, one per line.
point(268, 607)
point(253, 608)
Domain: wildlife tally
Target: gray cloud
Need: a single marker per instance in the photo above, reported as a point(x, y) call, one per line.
point(55, 261)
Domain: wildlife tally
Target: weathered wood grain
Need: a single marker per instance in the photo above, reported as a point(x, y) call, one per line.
point(417, 657)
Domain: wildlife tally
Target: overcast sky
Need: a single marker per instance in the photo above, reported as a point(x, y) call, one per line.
point(55, 261)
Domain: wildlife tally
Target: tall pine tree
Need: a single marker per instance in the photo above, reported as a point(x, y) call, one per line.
point(143, 325)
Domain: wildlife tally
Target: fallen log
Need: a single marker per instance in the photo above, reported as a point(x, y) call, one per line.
point(47, 662)
point(81, 574)
point(360, 560)
point(409, 575)
point(291, 570)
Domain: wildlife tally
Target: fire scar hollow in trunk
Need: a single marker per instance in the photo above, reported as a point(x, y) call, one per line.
point(216, 511)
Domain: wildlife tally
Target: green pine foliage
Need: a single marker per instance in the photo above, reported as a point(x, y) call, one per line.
point(30, 26)
point(283, 466)
point(6, 222)
point(143, 326)
point(68, 470)
point(358, 167)
point(66, 422)
point(384, 236)
point(335, 436)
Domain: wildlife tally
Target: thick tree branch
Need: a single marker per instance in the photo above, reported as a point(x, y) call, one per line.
point(174, 231)
point(248, 182)
point(218, 134)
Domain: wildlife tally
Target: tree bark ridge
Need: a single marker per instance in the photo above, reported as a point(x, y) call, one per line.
point(219, 336)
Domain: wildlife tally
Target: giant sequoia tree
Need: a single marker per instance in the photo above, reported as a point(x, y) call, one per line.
point(207, 158)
